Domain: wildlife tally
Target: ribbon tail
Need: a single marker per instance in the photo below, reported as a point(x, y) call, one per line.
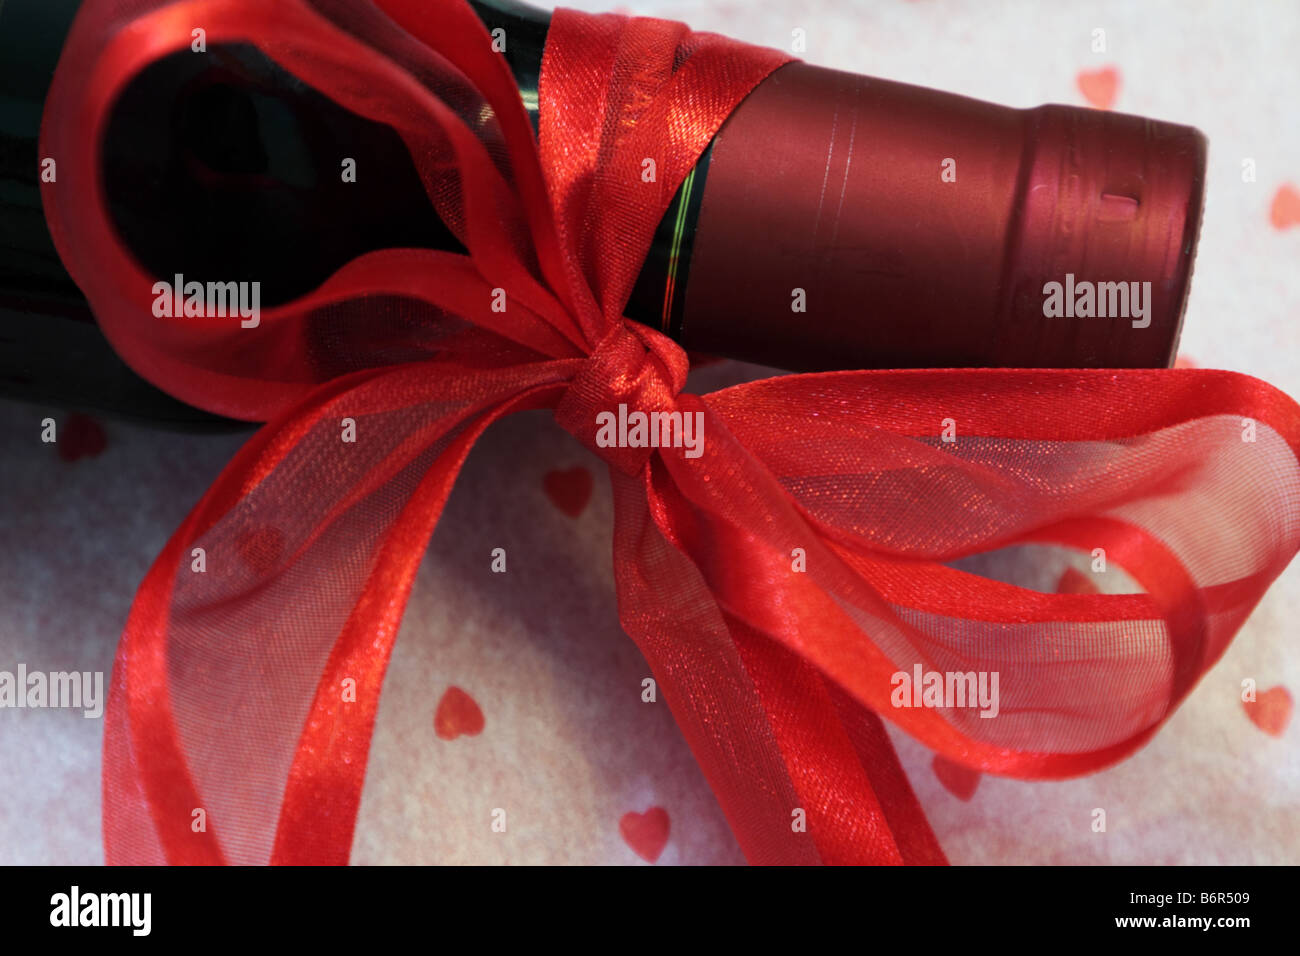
point(804, 775)
point(248, 677)
point(907, 821)
point(810, 548)
point(856, 800)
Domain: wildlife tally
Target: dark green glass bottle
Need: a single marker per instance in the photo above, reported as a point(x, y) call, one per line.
point(250, 153)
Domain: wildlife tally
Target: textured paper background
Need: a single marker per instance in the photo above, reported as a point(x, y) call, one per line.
point(567, 746)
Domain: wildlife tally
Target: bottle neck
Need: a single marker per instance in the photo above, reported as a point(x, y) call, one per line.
point(658, 296)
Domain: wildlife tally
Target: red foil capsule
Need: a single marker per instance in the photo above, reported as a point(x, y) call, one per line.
point(923, 229)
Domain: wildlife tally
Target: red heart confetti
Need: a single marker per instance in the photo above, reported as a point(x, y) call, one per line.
point(958, 780)
point(1099, 87)
point(1270, 711)
point(646, 833)
point(569, 490)
point(1285, 211)
point(80, 437)
point(1076, 582)
point(457, 714)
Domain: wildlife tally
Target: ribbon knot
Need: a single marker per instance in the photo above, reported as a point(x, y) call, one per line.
point(778, 588)
point(632, 369)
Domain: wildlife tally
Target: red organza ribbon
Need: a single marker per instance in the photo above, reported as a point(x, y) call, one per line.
point(227, 694)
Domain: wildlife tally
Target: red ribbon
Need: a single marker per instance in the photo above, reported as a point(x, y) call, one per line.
point(229, 689)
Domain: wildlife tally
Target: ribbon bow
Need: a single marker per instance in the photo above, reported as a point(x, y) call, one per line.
point(776, 584)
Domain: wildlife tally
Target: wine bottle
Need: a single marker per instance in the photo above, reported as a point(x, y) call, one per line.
point(835, 221)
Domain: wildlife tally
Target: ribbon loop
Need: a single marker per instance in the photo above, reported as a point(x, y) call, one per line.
point(777, 586)
point(632, 369)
